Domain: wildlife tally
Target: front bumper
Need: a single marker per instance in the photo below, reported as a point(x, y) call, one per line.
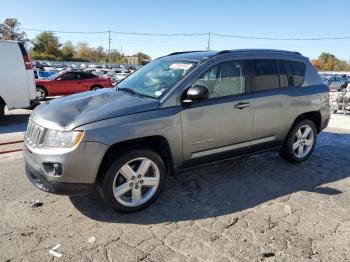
point(40, 181)
point(79, 168)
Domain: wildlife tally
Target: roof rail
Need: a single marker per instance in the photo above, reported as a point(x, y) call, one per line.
point(184, 52)
point(224, 52)
point(258, 50)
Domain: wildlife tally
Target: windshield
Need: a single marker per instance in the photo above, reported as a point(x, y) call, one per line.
point(55, 76)
point(155, 78)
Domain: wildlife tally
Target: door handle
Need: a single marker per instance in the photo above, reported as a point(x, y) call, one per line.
point(241, 105)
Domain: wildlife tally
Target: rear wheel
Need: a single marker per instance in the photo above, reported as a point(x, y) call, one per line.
point(41, 93)
point(300, 142)
point(134, 180)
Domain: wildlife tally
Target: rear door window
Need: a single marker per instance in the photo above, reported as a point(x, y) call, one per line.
point(266, 74)
point(297, 71)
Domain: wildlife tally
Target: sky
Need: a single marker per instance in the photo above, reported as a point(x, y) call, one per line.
point(267, 18)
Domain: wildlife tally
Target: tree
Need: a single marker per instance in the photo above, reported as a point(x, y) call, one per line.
point(316, 64)
point(117, 58)
point(99, 54)
point(328, 62)
point(10, 30)
point(84, 51)
point(47, 43)
point(142, 58)
point(67, 51)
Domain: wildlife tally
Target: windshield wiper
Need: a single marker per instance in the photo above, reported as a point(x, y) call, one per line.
point(129, 90)
point(132, 91)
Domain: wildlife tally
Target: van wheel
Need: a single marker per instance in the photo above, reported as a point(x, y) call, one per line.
point(41, 93)
point(134, 180)
point(300, 142)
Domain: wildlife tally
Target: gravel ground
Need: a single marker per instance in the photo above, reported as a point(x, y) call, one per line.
point(251, 209)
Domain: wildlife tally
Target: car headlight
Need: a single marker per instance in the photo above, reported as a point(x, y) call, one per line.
point(61, 139)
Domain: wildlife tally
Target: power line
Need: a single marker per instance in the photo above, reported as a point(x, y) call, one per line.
point(158, 34)
point(194, 34)
point(65, 32)
point(283, 39)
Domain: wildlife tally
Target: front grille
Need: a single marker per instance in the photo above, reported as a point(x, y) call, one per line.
point(35, 134)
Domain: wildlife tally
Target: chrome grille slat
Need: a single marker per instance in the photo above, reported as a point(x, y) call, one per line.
point(34, 134)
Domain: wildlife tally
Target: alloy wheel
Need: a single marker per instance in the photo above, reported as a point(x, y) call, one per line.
point(136, 182)
point(303, 141)
point(40, 93)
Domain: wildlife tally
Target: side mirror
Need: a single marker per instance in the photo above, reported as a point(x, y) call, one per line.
point(196, 92)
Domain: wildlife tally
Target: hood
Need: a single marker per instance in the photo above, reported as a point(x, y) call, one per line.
point(75, 110)
point(41, 80)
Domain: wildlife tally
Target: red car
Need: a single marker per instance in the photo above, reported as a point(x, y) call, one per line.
point(70, 82)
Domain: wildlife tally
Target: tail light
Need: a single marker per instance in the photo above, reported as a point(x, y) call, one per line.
point(26, 60)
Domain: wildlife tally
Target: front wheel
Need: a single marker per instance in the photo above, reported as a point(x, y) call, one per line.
point(2, 111)
point(134, 180)
point(94, 88)
point(300, 142)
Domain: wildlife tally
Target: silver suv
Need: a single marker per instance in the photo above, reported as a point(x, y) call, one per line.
point(179, 111)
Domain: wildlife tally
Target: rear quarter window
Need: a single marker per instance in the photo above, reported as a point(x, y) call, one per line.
point(297, 73)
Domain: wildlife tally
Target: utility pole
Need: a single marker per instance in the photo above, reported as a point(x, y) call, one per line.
point(109, 46)
point(208, 41)
point(121, 49)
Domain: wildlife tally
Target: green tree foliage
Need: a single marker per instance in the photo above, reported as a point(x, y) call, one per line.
point(10, 30)
point(67, 51)
point(46, 46)
point(46, 43)
point(143, 58)
point(117, 58)
point(328, 62)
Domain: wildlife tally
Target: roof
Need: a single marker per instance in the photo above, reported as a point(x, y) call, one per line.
point(201, 55)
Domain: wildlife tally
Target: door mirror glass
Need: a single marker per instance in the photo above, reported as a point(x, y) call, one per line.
point(196, 93)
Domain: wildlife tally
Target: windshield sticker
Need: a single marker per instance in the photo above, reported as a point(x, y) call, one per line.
point(180, 66)
point(158, 93)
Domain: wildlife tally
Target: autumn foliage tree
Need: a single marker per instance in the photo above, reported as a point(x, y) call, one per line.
point(329, 62)
point(316, 64)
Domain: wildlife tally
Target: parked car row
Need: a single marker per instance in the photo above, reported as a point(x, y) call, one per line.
point(115, 72)
point(335, 82)
point(43, 64)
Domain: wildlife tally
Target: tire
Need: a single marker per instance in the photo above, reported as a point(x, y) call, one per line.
point(132, 184)
point(41, 93)
point(307, 143)
point(94, 88)
point(2, 111)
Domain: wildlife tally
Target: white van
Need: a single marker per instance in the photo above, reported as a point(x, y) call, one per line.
point(17, 86)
